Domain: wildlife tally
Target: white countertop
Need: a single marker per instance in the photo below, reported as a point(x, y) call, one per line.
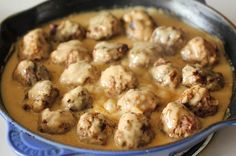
point(224, 142)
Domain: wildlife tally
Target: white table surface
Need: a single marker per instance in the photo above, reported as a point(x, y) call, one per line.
point(224, 142)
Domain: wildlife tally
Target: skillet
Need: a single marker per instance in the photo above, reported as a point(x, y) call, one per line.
point(193, 12)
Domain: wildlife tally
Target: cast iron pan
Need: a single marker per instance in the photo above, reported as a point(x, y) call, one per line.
point(193, 12)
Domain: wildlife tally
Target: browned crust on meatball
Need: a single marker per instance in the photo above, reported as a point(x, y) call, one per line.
point(178, 122)
point(57, 122)
point(34, 46)
point(165, 74)
point(139, 24)
point(104, 26)
point(199, 50)
point(133, 131)
point(193, 75)
point(94, 128)
point(33, 74)
point(117, 79)
point(199, 101)
point(60, 32)
point(30, 104)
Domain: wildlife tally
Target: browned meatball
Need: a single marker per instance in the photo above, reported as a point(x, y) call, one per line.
point(93, 128)
point(103, 26)
point(169, 38)
point(56, 122)
point(28, 73)
point(199, 101)
point(143, 54)
point(178, 122)
point(78, 74)
point(165, 74)
point(199, 50)
point(133, 131)
point(70, 52)
point(139, 24)
point(67, 30)
point(77, 99)
point(213, 80)
point(116, 79)
point(105, 52)
point(192, 75)
point(138, 101)
point(34, 46)
point(40, 96)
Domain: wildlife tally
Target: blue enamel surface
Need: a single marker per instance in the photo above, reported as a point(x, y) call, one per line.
point(25, 144)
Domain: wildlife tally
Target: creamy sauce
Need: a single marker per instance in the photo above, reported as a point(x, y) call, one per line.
point(13, 92)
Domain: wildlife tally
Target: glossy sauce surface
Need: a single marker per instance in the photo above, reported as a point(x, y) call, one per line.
point(13, 92)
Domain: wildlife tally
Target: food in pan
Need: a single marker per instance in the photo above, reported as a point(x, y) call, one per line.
point(117, 79)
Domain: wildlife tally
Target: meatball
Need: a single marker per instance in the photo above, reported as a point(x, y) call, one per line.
point(139, 24)
point(28, 73)
point(67, 30)
point(143, 54)
point(77, 99)
point(178, 122)
point(133, 131)
point(199, 50)
point(199, 101)
point(138, 101)
point(78, 74)
point(104, 26)
point(213, 80)
point(169, 38)
point(105, 52)
point(34, 46)
point(165, 74)
point(70, 52)
point(40, 96)
point(56, 122)
point(193, 75)
point(116, 79)
point(93, 128)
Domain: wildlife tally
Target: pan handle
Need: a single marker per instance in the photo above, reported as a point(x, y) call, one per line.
point(202, 1)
